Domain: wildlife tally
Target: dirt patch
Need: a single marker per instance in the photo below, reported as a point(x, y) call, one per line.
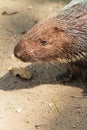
point(40, 103)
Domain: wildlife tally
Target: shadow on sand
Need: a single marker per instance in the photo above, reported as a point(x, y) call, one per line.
point(42, 73)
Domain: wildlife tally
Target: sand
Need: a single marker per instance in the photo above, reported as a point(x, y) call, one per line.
point(39, 103)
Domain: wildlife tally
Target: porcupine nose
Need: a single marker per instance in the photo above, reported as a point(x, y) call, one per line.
point(19, 53)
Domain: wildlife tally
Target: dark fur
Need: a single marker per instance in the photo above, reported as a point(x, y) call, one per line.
point(63, 36)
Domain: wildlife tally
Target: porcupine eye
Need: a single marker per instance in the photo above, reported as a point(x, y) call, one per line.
point(56, 28)
point(43, 42)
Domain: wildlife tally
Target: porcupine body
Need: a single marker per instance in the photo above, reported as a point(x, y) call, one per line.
point(60, 37)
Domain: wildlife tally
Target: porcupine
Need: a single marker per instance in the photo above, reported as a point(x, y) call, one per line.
point(62, 36)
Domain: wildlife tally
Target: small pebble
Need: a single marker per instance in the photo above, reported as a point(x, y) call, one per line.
point(9, 12)
point(74, 126)
point(27, 121)
point(29, 7)
point(64, 126)
point(1, 116)
point(18, 110)
point(50, 104)
point(79, 110)
point(77, 96)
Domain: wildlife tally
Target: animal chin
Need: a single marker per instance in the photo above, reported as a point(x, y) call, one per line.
point(28, 58)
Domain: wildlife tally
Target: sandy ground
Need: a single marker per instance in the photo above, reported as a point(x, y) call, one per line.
point(40, 103)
